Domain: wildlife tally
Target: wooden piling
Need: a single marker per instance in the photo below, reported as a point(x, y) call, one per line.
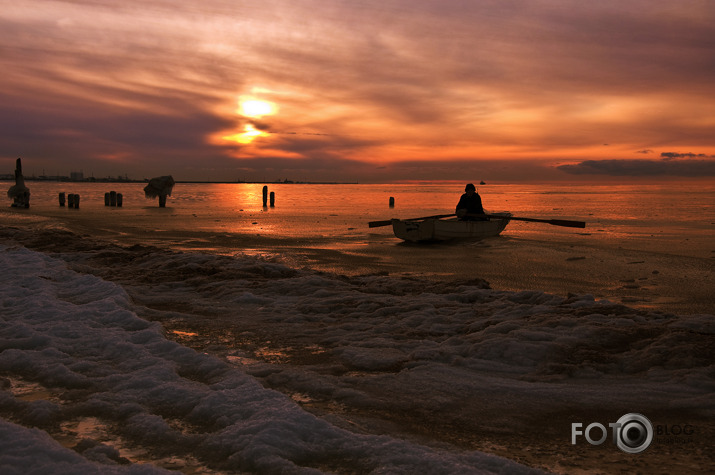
point(120, 198)
point(392, 202)
point(70, 200)
point(19, 193)
point(106, 199)
point(265, 196)
point(62, 198)
point(273, 199)
point(112, 198)
point(76, 201)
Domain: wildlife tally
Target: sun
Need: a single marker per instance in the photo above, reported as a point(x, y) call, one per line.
point(256, 108)
point(253, 109)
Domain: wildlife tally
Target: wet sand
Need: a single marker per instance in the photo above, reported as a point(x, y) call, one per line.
point(641, 273)
point(640, 279)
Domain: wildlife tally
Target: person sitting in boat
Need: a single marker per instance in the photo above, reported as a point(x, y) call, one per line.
point(470, 204)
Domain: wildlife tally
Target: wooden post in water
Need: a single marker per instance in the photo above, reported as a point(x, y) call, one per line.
point(106, 199)
point(70, 200)
point(265, 195)
point(76, 201)
point(392, 201)
point(19, 193)
point(112, 198)
point(62, 198)
point(273, 199)
point(119, 200)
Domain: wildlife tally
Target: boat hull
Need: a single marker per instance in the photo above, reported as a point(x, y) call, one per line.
point(448, 229)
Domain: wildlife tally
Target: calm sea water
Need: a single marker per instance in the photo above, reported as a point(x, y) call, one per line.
point(670, 218)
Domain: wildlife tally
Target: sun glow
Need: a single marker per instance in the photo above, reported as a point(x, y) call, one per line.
point(256, 108)
point(249, 134)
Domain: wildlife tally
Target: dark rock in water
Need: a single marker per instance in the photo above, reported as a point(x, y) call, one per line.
point(160, 187)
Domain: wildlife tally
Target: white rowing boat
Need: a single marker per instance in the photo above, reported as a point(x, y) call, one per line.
point(448, 229)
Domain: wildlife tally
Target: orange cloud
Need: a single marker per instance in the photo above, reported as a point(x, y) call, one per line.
point(467, 82)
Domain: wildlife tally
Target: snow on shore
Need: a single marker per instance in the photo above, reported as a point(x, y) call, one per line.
point(77, 338)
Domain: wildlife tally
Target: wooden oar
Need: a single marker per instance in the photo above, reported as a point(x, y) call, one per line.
point(554, 222)
point(387, 222)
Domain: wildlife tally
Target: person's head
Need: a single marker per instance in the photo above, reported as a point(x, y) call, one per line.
point(470, 188)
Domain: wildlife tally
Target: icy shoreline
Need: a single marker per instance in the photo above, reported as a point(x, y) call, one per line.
point(76, 334)
point(434, 363)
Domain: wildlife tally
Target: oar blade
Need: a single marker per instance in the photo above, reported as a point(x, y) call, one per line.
point(567, 223)
point(377, 224)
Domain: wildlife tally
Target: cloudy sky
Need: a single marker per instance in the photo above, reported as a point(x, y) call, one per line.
point(368, 90)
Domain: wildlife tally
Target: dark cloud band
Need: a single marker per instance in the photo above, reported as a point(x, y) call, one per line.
point(635, 168)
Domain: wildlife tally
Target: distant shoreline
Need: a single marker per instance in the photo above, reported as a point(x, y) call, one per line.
point(146, 180)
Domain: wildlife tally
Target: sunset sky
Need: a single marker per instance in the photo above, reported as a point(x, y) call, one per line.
point(345, 90)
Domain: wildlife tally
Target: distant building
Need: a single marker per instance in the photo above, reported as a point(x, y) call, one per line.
point(77, 176)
